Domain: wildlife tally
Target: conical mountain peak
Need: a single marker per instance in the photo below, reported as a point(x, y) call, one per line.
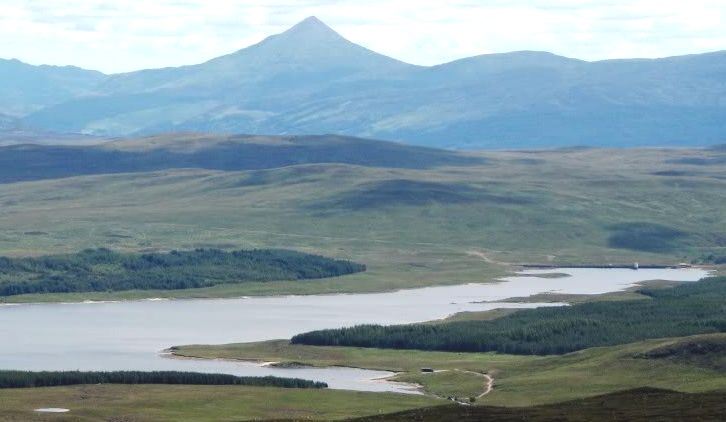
point(308, 48)
point(312, 29)
point(310, 23)
point(312, 45)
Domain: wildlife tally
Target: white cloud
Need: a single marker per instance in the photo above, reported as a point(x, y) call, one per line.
point(117, 35)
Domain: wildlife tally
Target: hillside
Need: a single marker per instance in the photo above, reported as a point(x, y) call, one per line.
point(424, 220)
point(707, 352)
point(310, 79)
point(14, 132)
point(213, 152)
point(643, 404)
point(518, 380)
point(26, 88)
point(310, 53)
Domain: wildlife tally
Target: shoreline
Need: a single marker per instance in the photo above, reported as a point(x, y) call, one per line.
point(168, 354)
point(414, 388)
point(157, 296)
point(247, 295)
point(174, 352)
point(607, 266)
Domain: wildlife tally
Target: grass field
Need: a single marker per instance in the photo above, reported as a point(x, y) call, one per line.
point(162, 403)
point(412, 228)
point(518, 380)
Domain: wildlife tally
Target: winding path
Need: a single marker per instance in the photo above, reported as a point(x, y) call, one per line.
point(488, 385)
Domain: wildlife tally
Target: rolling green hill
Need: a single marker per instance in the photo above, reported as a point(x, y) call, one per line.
point(703, 351)
point(456, 218)
point(644, 404)
point(517, 380)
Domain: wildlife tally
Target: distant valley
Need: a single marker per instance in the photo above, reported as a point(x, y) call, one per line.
point(306, 229)
point(311, 80)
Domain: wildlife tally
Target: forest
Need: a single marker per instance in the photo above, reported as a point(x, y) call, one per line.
point(26, 379)
point(94, 270)
point(687, 309)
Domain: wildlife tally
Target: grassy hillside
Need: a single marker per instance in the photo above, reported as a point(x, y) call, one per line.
point(174, 403)
point(213, 403)
point(411, 227)
point(518, 380)
point(214, 152)
point(704, 351)
point(644, 404)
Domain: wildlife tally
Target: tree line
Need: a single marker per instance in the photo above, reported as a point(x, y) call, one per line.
point(27, 379)
point(688, 309)
point(106, 270)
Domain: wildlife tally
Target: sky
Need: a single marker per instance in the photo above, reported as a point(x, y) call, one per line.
point(125, 35)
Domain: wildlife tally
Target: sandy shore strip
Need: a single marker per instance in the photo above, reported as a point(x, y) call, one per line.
point(52, 410)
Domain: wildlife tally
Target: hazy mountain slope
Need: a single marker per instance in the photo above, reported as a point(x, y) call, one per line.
point(308, 53)
point(309, 79)
point(8, 123)
point(13, 132)
point(251, 88)
point(24, 136)
point(25, 88)
point(221, 152)
point(530, 99)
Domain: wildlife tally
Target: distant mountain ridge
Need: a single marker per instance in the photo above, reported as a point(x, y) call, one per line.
point(26, 88)
point(309, 51)
point(310, 79)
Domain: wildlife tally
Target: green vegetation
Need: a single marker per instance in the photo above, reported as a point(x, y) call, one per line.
point(713, 259)
point(518, 380)
point(704, 351)
point(26, 379)
point(214, 152)
point(692, 308)
point(198, 403)
point(105, 270)
point(643, 404)
point(391, 193)
point(632, 293)
point(450, 383)
point(477, 315)
point(575, 201)
point(641, 236)
point(417, 220)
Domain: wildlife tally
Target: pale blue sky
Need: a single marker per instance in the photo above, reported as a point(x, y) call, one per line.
point(115, 35)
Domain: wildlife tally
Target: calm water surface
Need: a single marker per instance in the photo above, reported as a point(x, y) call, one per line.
point(131, 335)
